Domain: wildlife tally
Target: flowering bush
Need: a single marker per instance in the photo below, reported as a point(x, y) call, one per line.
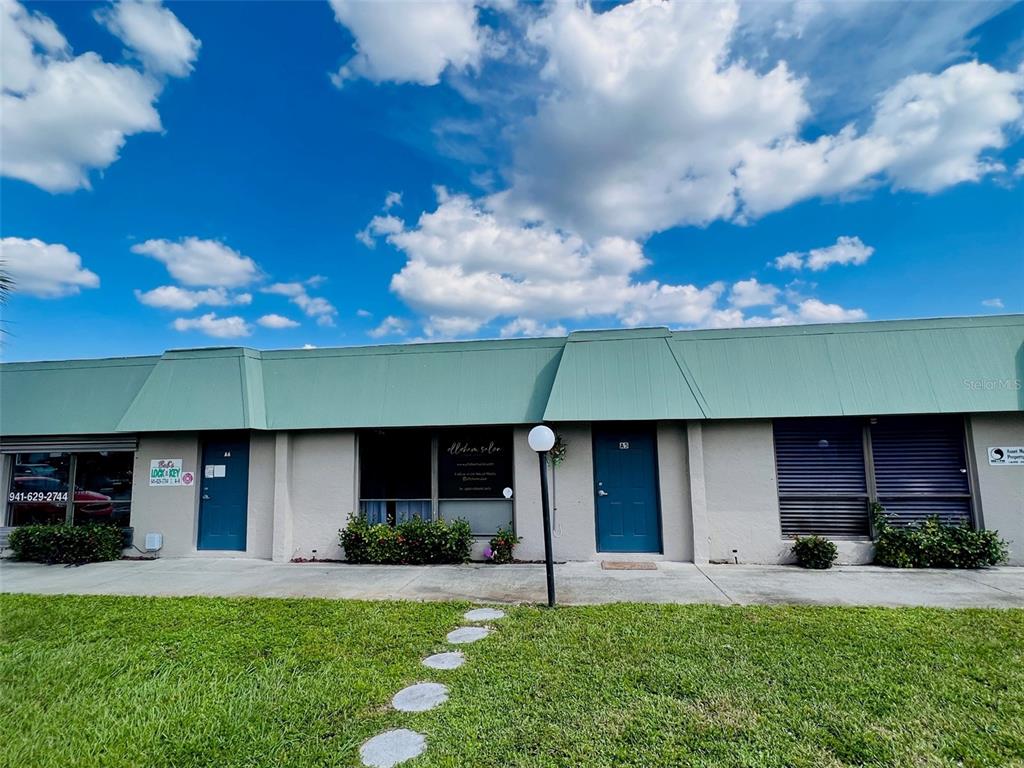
point(501, 546)
point(414, 542)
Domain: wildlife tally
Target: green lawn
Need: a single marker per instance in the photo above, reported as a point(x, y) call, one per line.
point(98, 681)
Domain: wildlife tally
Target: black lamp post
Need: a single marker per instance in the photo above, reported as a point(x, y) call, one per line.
point(542, 440)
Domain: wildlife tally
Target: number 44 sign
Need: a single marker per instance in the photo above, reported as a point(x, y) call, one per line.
point(1005, 456)
point(169, 472)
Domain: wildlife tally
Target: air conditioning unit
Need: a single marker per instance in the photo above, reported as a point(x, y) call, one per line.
point(154, 542)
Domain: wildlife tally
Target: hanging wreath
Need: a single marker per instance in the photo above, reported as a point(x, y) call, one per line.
point(558, 451)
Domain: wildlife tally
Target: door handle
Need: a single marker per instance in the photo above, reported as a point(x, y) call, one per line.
point(205, 497)
point(602, 493)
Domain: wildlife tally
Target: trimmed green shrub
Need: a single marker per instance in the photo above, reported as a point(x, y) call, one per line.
point(933, 544)
point(414, 542)
point(66, 543)
point(814, 552)
point(500, 547)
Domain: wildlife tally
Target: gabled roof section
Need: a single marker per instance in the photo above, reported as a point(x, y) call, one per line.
point(621, 376)
point(949, 365)
point(198, 389)
point(479, 382)
point(69, 397)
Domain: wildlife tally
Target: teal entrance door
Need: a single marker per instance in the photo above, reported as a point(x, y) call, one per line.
point(626, 489)
point(224, 502)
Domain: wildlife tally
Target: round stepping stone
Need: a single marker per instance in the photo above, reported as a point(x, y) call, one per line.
point(390, 748)
point(484, 614)
point(420, 697)
point(446, 660)
point(467, 635)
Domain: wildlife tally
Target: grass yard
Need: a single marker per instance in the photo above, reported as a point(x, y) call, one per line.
point(107, 681)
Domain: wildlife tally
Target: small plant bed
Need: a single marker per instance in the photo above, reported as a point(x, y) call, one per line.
point(933, 544)
point(413, 542)
point(202, 682)
point(70, 544)
point(814, 552)
point(499, 550)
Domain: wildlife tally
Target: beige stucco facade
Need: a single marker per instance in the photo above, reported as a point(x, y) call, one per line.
point(999, 489)
point(717, 494)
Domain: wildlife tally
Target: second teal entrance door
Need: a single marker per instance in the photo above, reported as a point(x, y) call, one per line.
point(626, 489)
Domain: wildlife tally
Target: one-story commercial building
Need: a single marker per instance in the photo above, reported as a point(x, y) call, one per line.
point(709, 445)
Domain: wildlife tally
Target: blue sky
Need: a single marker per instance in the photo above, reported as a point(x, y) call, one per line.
point(277, 175)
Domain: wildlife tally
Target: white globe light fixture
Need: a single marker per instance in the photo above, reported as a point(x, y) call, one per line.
point(542, 440)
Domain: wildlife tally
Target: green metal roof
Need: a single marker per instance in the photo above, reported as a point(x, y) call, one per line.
point(915, 366)
point(72, 397)
point(488, 382)
point(200, 389)
point(920, 366)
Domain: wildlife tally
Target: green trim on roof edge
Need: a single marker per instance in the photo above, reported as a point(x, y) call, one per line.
point(941, 365)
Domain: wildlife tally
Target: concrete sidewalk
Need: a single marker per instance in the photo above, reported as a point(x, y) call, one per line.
point(577, 583)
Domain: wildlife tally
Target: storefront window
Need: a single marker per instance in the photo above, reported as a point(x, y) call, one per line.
point(39, 489)
point(103, 488)
point(474, 473)
point(97, 485)
point(470, 479)
point(395, 475)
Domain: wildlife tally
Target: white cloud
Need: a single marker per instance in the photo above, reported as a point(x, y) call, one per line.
point(174, 297)
point(751, 293)
point(309, 346)
point(928, 132)
point(816, 311)
point(193, 261)
point(644, 121)
point(994, 303)
point(45, 270)
point(314, 306)
point(65, 115)
point(525, 326)
point(211, 325)
point(277, 321)
point(1018, 169)
point(392, 199)
point(363, 313)
point(408, 42)
point(389, 326)
point(791, 260)
point(468, 265)
point(647, 119)
point(845, 251)
point(379, 225)
point(164, 44)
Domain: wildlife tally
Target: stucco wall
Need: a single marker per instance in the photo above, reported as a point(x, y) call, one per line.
point(742, 497)
point(674, 482)
point(170, 510)
point(574, 534)
point(323, 491)
point(572, 492)
point(1000, 489)
point(174, 510)
point(259, 535)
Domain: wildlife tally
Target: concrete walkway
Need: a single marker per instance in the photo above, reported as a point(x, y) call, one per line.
point(576, 583)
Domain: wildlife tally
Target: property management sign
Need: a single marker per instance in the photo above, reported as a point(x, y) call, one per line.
point(168, 472)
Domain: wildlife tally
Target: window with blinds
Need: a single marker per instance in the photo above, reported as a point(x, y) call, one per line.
point(822, 479)
point(920, 468)
point(830, 471)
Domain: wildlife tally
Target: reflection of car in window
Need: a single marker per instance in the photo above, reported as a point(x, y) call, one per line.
point(95, 506)
point(36, 470)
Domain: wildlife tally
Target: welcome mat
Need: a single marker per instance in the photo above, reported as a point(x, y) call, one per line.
point(620, 565)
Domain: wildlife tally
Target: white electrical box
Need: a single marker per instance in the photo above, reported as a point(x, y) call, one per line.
point(154, 542)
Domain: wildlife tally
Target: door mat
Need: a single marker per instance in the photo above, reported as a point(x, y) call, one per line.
point(619, 565)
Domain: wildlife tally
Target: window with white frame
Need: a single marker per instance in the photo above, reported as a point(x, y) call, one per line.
point(454, 473)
